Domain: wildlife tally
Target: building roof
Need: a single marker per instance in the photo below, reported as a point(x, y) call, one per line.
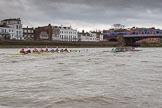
point(60, 27)
point(12, 19)
point(5, 26)
point(28, 28)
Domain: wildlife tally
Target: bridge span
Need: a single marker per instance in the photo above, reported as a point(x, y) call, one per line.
point(141, 38)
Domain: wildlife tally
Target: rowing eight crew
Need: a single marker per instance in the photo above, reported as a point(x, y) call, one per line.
point(35, 50)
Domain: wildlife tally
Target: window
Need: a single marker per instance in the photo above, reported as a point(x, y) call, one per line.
point(17, 33)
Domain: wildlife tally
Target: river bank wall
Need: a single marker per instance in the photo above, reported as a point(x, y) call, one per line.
point(20, 44)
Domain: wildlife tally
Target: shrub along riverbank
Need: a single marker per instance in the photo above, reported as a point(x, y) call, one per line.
point(20, 44)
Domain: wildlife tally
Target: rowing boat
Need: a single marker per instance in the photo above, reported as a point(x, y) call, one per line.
point(45, 53)
point(123, 49)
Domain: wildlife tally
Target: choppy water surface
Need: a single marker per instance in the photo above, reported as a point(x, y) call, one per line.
point(96, 78)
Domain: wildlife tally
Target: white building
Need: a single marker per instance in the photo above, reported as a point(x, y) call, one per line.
point(101, 37)
point(65, 34)
point(6, 32)
point(89, 37)
point(16, 25)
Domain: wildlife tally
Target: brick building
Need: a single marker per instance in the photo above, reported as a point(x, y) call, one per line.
point(56, 33)
point(28, 33)
point(43, 33)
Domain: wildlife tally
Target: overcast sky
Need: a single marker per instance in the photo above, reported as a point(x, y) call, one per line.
point(84, 14)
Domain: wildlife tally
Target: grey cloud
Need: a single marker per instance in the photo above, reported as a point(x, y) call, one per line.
point(105, 3)
point(88, 12)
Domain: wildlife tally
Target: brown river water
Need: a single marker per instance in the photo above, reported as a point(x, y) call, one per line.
point(96, 78)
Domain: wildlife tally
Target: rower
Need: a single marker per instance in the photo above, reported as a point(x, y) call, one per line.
point(57, 50)
point(46, 50)
point(52, 50)
point(28, 50)
point(22, 51)
point(66, 50)
point(35, 50)
point(41, 50)
point(62, 50)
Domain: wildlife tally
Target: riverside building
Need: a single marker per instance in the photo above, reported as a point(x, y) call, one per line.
point(66, 34)
point(28, 33)
point(89, 37)
point(6, 32)
point(56, 33)
point(45, 33)
point(15, 26)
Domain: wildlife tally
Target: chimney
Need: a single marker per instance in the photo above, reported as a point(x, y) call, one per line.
point(83, 31)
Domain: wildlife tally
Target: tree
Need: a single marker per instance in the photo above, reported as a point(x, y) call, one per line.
point(118, 26)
